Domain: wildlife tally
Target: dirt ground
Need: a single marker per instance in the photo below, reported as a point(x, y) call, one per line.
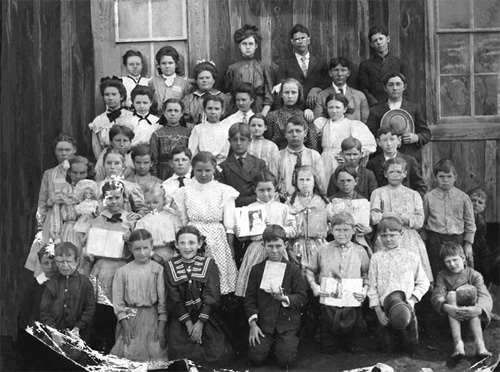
point(433, 352)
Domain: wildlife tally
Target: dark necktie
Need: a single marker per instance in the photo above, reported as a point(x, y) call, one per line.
point(115, 218)
point(341, 91)
point(113, 115)
point(142, 117)
point(241, 161)
point(299, 159)
point(181, 181)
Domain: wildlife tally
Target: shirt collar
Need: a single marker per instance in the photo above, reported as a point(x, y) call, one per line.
point(248, 114)
point(442, 194)
point(299, 57)
point(108, 214)
point(201, 93)
point(295, 152)
point(186, 176)
point(336, 88)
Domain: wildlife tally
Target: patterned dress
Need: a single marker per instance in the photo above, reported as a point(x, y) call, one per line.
point(163, 90)
point(407, 203)
point(278, 214)
point(210, 208)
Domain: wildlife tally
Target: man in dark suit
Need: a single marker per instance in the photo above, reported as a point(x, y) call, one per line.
point(310, 71)
point(274, 312)
point(372, 72)
point(412, 143)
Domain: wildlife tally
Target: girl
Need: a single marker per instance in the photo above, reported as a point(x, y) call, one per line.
point(133, 61)
point(333, 128)
point(114, 163)
point(162, 221)
point(53, 181)
point(120, 138)
point(212, 135)
point(113, 218)
point(261, 147)
point(114, 94)
point(396, 200)
point(209, 206)
point(142, 122)
point(312, 211)
point(250, 70)
point(193, 289)
point(168, 84)
point(139, 304)
point(205, 74)
point(292, 95)
point(277, 214)
point(169, 136)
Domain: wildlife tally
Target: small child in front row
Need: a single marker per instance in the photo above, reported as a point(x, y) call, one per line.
point(68, 301)
point(449, 216)
point(472, 305)
point(195, 331)
point(260, 146)
point(274, 316)
point(239, 169)
point(162, 222)
point(181, 165)
point(170, 135)
point(341, 259)
point(276, 214)
point(352, 153)
point(395, 269)
point(140, 305)
point(141, 156)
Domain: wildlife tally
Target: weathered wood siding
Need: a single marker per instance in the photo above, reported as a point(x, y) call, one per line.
point(46, 87)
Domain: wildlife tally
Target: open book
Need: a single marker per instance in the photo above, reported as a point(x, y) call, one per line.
point(105, 243)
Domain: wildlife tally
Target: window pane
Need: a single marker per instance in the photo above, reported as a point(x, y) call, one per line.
point(487, 52)
point(486, 95)
point(454, 14)
point(454, 54)
point(168, 18)
point(133, 19)
point(455, 98)
point(486, 13)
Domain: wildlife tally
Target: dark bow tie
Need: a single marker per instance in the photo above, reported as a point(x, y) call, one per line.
point(113, 115)
point(142, 117)
point(115, 218)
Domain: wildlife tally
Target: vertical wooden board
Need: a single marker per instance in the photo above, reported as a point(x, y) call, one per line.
point(427, 159)
point(266, 31)
point(363, 28)
point(430, 63)
point(221, 38)
point(440, 150)
point(379, 13)
point(198, 31)
point(348, 36)
point(302, 12)
point(281, 12)
point(491, 170)
point(468, 157)
point(393, 26)
point(324, 41)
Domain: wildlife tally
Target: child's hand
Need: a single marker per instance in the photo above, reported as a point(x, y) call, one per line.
point(160, 334)
point(132, 216)
point(278, 294)
point(57, 241)
point(382, 318)
point(126, 236)
point(255, 333)
point(237, 230)
point(189, 326)
point(128, 335)
point(308, 115)
point(196, 332)
point(469, 254)
point(469, 312)
point(268, 221)
point(361, 296)
point(362, 229)
point(89, 257)
point(409, 138)
point(452, 311)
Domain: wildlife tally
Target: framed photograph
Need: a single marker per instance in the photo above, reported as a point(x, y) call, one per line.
point(251, 220)
point(341, 292)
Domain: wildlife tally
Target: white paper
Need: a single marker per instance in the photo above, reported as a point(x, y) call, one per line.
point(359, 208)
point(105, 243)
point(251, 220)
point(272, 279)
point(341, 292)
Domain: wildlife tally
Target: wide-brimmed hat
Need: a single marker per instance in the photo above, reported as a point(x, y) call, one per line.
point(400, 120)
point(466, 295)
point(397, 310)
point(344, 320)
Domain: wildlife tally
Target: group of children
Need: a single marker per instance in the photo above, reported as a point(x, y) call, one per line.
point(151, 263)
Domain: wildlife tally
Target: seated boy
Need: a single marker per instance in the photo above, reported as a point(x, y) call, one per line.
point(239, 169)
point(389, 140)
point(449, 216)
point(342, 259)
point(274, 315)
point(395, 269)
point(181, 165)
point(460, 294)
point(141, 156)
point(296, 155)
point(352, 153)
point(68, 301)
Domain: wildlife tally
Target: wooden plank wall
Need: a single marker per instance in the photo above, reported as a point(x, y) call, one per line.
point(46, 87)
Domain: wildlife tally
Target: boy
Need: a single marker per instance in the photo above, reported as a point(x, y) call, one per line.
point(296, 155)
point(239, 169)
point(460, 294)
point(412, 143)
point(274, 316)
point(244, 98)
point(143, 123)
point(261, 147)
point(181, 165)
point(340, 70)
point(141, 157)
point(373, 70)
point(68, 301)
point(345, 260)
point(389, 140)
point(395, 269)
point(449, 216)
point(352, 154)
